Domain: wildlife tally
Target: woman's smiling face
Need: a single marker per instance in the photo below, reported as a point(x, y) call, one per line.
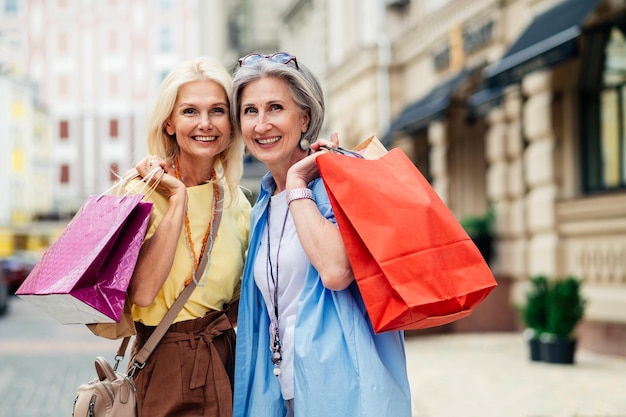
point(200, 119)
point(271, 121)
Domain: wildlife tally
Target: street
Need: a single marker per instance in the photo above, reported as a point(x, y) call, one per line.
point(42, 362)
point(468, 374)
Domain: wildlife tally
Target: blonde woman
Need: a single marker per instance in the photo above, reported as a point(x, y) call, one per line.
point(190, 137)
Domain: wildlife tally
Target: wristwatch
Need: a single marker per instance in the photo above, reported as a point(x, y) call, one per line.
point(298, 194)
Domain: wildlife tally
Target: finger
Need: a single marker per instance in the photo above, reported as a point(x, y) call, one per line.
point(153, 161)
point(334, 139)
point(317, 145)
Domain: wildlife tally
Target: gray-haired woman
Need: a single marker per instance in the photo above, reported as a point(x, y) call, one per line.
point(305, 345)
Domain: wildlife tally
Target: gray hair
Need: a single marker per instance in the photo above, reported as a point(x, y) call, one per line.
point(303, 85)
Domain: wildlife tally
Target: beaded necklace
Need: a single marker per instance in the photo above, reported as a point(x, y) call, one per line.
point(275, 345)
point(208, 236)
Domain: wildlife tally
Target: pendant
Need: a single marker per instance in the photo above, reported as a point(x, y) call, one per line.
point(275, 345)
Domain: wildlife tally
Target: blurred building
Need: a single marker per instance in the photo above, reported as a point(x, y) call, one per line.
point(24, 162)
point(96, 65)
point(513, 106)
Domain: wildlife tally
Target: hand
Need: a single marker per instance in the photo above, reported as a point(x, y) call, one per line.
point(305, 170)
point(166, 184)
point(150, 162)
point(332, 143)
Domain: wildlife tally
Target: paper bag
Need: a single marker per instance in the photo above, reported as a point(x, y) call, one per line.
point(84, 275)
point(414, 264)
point(125, 327)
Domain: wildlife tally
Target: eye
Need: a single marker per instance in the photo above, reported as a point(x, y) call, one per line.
point(249, 110)
point(189, 111)
point(220, 110)
point(275, 107)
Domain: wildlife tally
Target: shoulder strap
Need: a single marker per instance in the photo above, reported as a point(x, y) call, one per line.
point(140, 359)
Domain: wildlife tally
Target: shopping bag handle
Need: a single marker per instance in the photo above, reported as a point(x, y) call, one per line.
point(156, 173)
point(342, 151)
point(132, 174)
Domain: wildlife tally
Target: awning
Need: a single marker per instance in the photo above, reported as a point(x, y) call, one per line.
point(417, 115)
point(548, 40)
point(484, 100)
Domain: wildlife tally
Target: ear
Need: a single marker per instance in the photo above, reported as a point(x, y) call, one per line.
point(306, 120)
point(168, 127)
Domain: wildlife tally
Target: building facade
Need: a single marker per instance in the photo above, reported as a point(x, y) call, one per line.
point(516, 106)
point(96, 65)
point(508, 107)
point(24, 162)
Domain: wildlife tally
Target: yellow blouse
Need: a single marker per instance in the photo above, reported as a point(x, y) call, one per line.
point(225, 268)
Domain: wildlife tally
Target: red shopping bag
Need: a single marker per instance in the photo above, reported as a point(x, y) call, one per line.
point(415, 265)
point(84, 275)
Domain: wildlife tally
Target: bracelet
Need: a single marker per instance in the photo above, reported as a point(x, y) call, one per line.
point(299, 194)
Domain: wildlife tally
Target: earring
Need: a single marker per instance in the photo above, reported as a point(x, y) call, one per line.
point(305, 145)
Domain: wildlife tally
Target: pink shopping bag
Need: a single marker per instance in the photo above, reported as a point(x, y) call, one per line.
point(84, 275)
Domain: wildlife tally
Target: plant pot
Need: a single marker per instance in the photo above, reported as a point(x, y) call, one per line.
point(558, 350)
point(534, 350)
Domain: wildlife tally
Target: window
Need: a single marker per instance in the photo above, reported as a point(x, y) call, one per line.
point(114, 169)
point(63, 86)
point(113, 128)
point(165, 40)
point(64, 177)
point(114, 84)
point(113, 43)
point(166, 5)
point(63, 47)
point(64, 129)
point(603, 105)
point(11, 7)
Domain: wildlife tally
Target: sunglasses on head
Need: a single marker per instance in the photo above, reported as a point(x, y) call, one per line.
point(279, 57)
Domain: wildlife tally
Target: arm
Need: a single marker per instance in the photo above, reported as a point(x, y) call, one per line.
point(157, 252)
point(320, 238)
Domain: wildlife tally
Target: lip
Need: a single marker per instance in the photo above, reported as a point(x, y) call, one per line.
point(268, 141)
point(204, 139)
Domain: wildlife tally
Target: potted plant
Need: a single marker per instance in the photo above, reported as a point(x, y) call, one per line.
point(565, 309)
point(534, 314)
point(480, 230)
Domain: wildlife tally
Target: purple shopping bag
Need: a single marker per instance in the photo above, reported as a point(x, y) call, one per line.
point(84, 275)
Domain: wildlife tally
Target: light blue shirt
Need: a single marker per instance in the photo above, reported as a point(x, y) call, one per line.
point(341, 367)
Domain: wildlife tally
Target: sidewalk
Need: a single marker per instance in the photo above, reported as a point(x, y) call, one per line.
point(451, 375)
point(490, 375)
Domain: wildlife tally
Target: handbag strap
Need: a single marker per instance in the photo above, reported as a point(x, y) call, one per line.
point(139, 361)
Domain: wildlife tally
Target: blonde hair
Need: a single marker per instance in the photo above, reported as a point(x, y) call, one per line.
point(229, 163)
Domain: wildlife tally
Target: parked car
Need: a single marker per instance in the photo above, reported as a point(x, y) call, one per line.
point(17, 267)
point(4, 294)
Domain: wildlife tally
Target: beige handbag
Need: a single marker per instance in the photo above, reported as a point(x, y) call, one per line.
point(113, 394)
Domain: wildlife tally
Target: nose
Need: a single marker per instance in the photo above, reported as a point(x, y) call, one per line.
point(263, 123)
point(205, 122)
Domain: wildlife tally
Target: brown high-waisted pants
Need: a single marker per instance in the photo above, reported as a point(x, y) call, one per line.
point(190, 373)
